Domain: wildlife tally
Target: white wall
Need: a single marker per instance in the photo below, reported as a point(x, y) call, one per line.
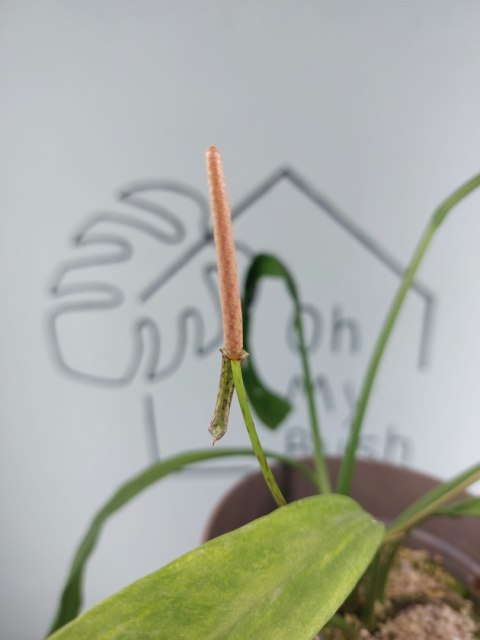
point(374, 104)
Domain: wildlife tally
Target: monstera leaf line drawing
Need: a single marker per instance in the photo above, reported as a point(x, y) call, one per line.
point(116, 248)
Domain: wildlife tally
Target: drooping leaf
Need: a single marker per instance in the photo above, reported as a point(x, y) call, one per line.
point(71, 600)
point(468, 507)
point(281, 577)
point(271, 407)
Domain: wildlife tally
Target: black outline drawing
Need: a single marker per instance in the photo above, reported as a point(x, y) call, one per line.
point(165, 227)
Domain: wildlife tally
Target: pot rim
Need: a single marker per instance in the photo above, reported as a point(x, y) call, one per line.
point(466, 554)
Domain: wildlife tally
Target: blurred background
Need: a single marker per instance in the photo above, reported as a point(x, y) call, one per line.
point(342, 125)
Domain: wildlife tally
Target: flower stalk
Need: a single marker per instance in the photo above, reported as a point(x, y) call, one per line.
point(232, 352)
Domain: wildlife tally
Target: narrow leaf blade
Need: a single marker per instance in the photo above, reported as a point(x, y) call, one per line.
point(468, 507)
point(433, 500)
point(281, 577)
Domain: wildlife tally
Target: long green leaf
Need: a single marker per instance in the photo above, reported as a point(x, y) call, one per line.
point(71, 600)
point(281, 577)
point(345, 474)
point(271, 408)
point(468, 507)
point(428, 504)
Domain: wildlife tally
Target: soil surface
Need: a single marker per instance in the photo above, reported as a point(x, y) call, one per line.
point(422, 602)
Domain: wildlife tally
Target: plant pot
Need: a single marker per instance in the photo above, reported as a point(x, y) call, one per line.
point(383, 489)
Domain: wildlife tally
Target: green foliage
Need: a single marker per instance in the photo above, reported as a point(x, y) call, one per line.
point(435, 499)
point(272, 408)
point(71, 600)
point(348, 462)
point(260, 581)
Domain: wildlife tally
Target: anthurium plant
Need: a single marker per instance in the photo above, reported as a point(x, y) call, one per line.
point(286, 575)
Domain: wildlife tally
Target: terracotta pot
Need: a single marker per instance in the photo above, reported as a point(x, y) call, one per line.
point(384, 490)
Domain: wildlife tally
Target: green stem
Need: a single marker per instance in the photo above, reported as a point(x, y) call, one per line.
point(252, 432)
point(323, 480)
point(371, 595)
point(337, 622)
point(389, 553)
point(348, 462)
point(376, 582)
